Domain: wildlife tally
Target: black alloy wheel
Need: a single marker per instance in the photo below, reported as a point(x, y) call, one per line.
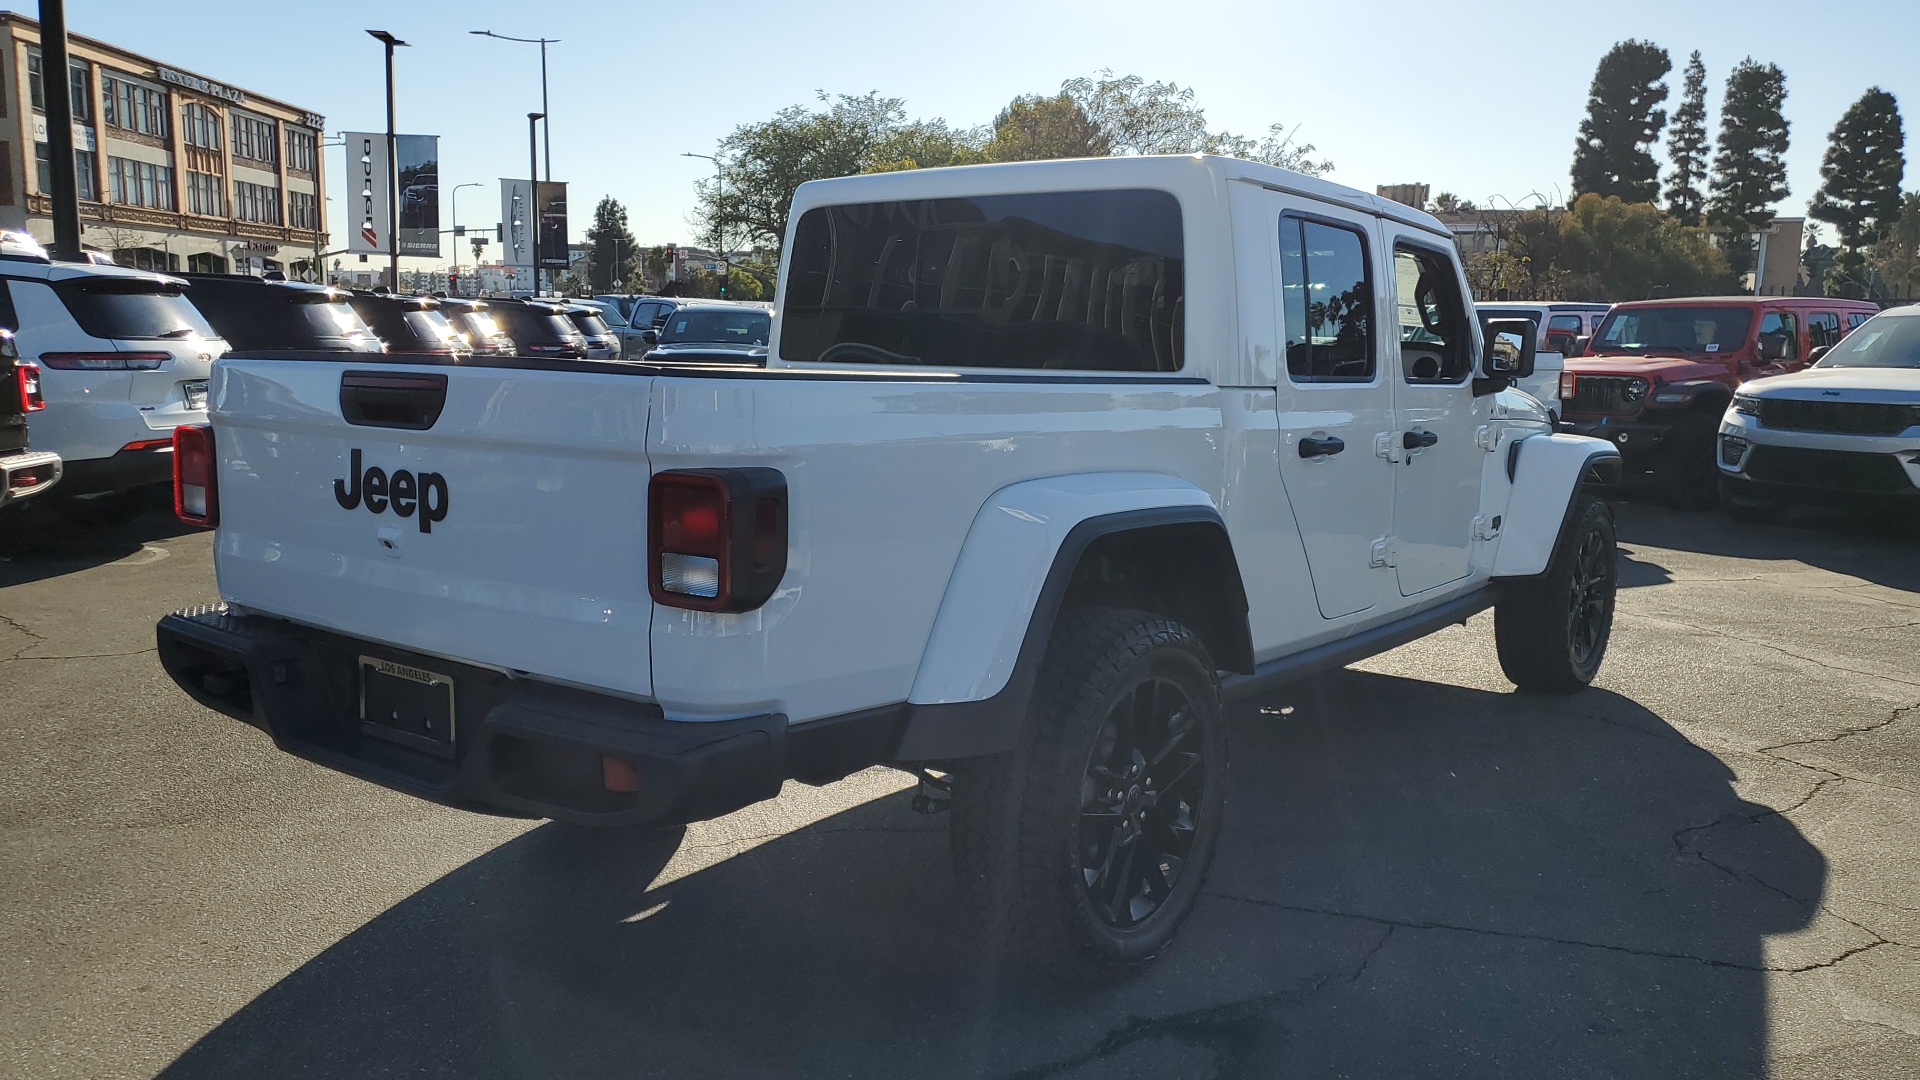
point(1140, 799)
point(1590, 610)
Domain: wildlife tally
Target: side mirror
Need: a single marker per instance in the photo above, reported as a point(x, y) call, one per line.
point(651, 337)
point(1510, 347)
point(1817, 352)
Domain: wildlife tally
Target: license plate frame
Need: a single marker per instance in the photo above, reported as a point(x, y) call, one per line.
point(193, 394)
point(411, 706)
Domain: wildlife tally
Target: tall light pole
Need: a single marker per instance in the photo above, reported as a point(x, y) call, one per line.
point(58, 82)
point(543, 43)
point(533, 191)
point(719, 232)
point(393, 168)
point(456, 225)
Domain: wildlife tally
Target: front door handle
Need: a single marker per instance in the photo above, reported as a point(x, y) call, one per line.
point(1311, 447)
point(1418, 440)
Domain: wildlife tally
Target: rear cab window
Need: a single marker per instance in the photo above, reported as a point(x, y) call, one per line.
point(1823, 328)
point(745, 327)
point(1067, 280)
point(131, 309)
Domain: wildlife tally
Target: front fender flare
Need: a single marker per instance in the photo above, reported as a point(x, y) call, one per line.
point(1547, 472)
point(983, 655)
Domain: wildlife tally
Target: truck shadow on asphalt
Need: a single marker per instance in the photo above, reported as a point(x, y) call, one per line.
point(36, 543)
point(1881, 552)
point(1415, 879)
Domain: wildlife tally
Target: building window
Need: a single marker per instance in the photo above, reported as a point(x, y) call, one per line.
point(206, 263)
point(253, 138)
point(86, 181)
point(300, 150)
point(256, 202)
point(141, 183)
point(158, 260)
point(204, 195)
point(133, 106)
point(81, 83)
point(201, 127)
point(303, 210)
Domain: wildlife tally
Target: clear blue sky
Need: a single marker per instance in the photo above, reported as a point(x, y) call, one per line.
point(1478, 97)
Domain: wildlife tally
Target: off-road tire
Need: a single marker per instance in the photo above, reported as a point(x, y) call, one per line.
point(1552, 630)
point(1017, 828)
point(104, 510)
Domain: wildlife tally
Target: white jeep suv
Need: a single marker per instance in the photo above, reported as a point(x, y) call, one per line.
point(1843, 432)
point(124, 359)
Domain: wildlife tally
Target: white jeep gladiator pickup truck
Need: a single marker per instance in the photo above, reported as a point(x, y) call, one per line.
point(1048, 463)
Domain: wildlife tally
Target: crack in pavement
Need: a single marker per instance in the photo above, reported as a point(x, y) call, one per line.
point(22, 627)
point(1768, 645)
point(1409, 924)
point(21, 658)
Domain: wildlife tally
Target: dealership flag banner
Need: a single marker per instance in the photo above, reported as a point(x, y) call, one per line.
point(516, 223)
point(368, 194)
point(551, 197)
point(419, 157)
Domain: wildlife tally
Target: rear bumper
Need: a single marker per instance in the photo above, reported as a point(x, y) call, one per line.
point(126, 469)
point(27, 472)
point(521, 747)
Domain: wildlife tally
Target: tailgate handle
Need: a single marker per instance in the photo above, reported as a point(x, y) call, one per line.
point(392, 400)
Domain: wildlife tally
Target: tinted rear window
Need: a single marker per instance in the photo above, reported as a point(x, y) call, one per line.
point(1087, 280)
point(744, 327)
point(591, 325)
point(529, 324)
point(131, 309)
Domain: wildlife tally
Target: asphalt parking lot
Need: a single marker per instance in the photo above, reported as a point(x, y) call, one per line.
point(1706, 865)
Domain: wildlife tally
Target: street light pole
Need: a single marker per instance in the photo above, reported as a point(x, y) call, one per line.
point(456, 226)
point(393, 168)
point(58, 83)
point(543, 42)
point(533, 190)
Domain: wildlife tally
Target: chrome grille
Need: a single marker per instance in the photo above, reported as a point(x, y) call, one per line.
point(1840, 417)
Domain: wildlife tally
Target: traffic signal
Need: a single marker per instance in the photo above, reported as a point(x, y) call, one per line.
point(453, 282)
point(725, 272)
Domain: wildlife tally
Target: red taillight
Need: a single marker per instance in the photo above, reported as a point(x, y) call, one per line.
point(147, 444)
point(26, 378)
point(716, 538)
point(1566, 385)
point(105, 361)
point(196, 497)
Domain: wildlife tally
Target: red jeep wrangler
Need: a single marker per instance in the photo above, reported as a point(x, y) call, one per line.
point(1658, 374)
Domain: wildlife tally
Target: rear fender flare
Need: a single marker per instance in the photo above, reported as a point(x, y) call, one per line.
point(1548, 470)
point(983, 655)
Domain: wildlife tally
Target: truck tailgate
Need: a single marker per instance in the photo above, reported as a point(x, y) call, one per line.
point(509, 533)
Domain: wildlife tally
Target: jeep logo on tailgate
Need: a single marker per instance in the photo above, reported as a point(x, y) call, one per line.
point(404, 491)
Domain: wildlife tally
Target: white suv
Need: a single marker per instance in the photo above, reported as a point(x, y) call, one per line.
point(1844, 432)
point(124, 359)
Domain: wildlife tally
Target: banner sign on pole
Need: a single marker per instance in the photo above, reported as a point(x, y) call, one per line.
point(551, 197)
point(368, 195)
point(419, 157)
point(516, 223)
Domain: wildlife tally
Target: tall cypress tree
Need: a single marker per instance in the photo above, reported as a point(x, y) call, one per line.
point(1687, 147)
point(1613, 155)
point(1860, 177)
point(1750, 168)
point(612, 256)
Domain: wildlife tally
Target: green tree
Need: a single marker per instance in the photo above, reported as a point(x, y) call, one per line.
point(1612, 155)
point(1687, 147)
point(1636, 252)
point(1894, 263)
point(1750, 168)
point(1860, 176)
point(924, 144)
point(1037, 128)
point(611, 251)
point(1448, 203)
point(1139, 117)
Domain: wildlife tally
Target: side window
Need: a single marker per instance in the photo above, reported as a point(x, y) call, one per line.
point(1855, 318)
point(1779, 336)
point(1434, 336)
point(1327, 302)
point(1823, 328)
point(8, 319)
point(1569, 323)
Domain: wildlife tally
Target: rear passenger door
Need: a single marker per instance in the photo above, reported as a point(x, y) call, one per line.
point(1441, 449)
point(1334, 400)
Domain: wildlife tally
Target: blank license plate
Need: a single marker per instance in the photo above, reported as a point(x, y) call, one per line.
point(406, 705)
point(195, 393)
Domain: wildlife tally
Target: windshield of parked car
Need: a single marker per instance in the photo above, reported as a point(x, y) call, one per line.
point(1888, 341)
point(132, 309)
point(1674, 329)
point(743, 327)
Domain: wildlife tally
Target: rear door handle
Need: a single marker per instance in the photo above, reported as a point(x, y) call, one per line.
point(1417, 440)
point(1311, 447)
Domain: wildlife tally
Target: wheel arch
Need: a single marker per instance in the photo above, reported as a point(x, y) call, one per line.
point(1547, 471)
point(1141, 540)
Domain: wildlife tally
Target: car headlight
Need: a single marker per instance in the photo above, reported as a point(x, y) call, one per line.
point(1747, 404)
point(1634, 390)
